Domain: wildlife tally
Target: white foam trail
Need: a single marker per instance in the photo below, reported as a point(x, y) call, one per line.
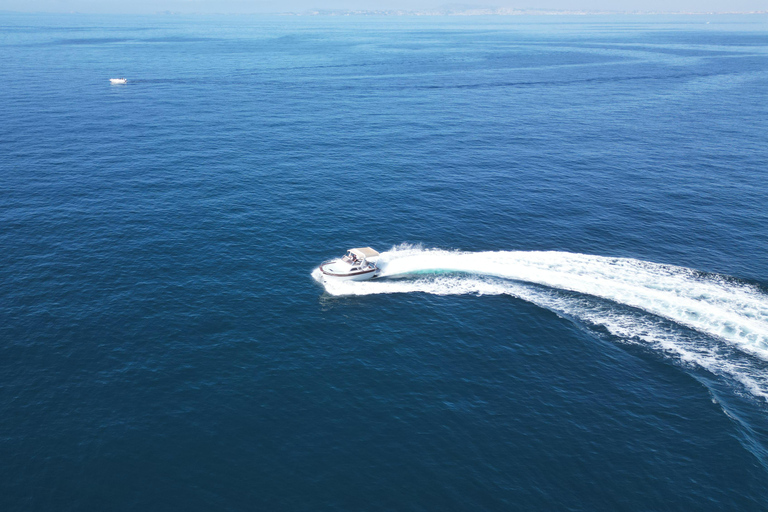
point(734, 313)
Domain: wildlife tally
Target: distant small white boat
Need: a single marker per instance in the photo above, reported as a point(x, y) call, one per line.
point(118, 80)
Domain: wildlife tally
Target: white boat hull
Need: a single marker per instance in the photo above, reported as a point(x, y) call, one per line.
point(117, 80)
point(330, 274)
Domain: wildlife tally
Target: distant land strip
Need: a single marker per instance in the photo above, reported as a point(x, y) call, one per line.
point(497, 12)
point(402, 12)
point(467, 12)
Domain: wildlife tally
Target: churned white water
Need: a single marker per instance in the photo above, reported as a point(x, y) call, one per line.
point(724, 322)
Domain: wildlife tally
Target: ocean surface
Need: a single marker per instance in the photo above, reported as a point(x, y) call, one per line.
point(573, 216)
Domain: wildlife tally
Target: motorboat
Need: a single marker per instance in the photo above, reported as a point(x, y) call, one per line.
point(357, 264)
point(118, 80)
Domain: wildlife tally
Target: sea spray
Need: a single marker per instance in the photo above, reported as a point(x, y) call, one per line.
point(722, 323)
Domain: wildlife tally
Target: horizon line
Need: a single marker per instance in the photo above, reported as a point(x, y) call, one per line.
point(402, 12)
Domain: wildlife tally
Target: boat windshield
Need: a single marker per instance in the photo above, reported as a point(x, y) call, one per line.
point(352, 258)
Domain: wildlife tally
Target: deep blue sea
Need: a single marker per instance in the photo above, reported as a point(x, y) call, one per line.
point(573, 220)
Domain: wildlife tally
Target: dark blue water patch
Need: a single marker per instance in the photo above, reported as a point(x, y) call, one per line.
point(94, 41)
point(113, 40)
point(570, 82)
point(709, 52)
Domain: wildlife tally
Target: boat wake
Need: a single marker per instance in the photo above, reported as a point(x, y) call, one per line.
point(712, 321)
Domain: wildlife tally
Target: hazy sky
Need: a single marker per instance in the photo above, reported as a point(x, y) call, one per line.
point(246, 6)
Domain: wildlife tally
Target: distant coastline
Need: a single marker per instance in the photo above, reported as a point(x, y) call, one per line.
point(426, 12)
point(502, 12)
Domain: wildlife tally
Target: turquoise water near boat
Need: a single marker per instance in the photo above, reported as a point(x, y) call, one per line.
point(571, 211)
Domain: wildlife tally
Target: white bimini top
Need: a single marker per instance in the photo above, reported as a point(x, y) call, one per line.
point(364, 252)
